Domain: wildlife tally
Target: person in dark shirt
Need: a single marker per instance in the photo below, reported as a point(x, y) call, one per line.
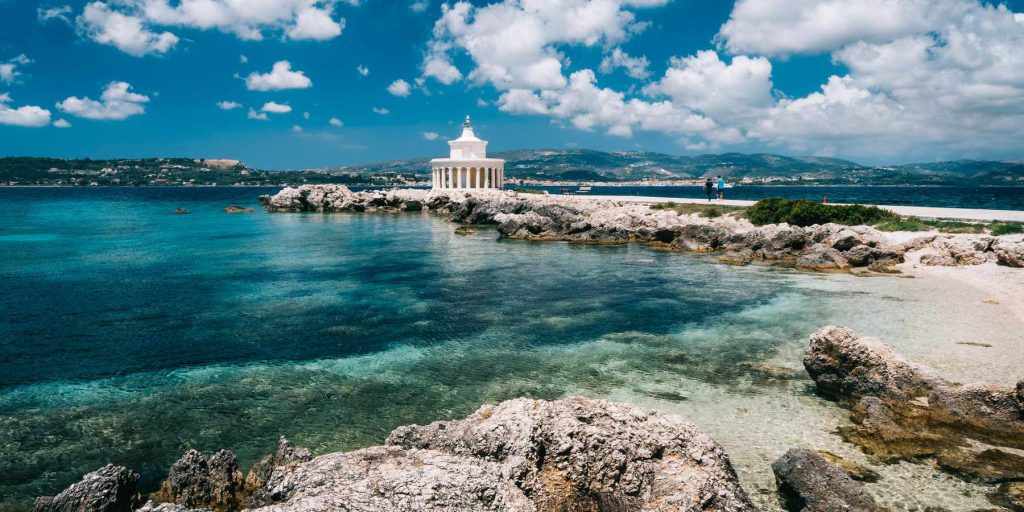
point(709, 188)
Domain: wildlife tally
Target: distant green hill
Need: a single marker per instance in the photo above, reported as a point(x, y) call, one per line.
point(557, 164)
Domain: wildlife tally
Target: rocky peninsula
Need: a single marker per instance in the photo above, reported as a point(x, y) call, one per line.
point(536, 217)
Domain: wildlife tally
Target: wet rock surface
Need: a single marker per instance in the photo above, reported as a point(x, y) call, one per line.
point(521, 455)
point(901, 411)
point(809, 483)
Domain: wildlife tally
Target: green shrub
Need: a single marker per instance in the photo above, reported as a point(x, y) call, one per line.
point(1006, 228)
point(808, 213)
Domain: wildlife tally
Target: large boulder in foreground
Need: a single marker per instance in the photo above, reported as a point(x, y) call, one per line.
point(525, 455)
point(108, 489)
point(581, 454)
point(809, 483)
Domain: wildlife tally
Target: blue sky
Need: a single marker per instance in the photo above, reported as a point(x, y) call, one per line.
point(872, 80)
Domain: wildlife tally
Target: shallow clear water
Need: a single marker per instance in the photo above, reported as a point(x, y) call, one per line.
point(131, 334)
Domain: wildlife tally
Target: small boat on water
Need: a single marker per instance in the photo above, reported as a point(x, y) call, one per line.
point(583, 190)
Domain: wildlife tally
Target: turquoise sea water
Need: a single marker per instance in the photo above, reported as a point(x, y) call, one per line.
point(130, 334)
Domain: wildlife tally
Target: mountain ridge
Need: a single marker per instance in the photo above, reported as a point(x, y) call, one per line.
point(576, 164)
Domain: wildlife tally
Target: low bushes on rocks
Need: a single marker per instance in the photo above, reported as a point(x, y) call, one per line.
point(808, 213)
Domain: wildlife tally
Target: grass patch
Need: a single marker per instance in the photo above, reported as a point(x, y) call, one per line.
point(951, 226)
point(943, 226)
point(808, 213)
point(709, 211)
point(1006, 228)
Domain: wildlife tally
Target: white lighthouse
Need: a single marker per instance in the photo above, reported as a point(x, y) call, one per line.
point(467, 165)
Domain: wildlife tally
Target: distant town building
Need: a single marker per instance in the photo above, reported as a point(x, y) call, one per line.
point(467, 166)
point(221, 163)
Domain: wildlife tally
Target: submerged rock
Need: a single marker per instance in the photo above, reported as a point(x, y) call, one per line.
point(856, 471)
point(809, 483)
point(108, 489)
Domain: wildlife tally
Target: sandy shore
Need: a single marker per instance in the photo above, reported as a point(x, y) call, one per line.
point(910, 211)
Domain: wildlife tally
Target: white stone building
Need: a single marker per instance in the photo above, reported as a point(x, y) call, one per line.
point(467, 167)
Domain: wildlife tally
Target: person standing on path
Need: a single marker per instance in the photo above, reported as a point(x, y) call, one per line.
point(721, 188)
point(709, 188)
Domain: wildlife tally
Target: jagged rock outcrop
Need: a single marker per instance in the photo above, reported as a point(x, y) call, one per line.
point(198, 481)
point(521, 455)
point(285, 458)
point(809, 483)
point(901, 411)
point(108, 489)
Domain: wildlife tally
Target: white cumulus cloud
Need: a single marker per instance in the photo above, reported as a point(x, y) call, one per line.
point(381, 111)
point(9, 70)
point(431, 135)
point(29, 116)
point(363, 70)
point(636, 67)
point(248, 20)
point(782, 27)
point(276, 108)
point(400, 88)
point(515, 44)
point(335, 122)
point(60, 12)
point(228, 105)
point(705, 83)
point(62, 123)
point(316, 24)
point(257, 116)
point(280, 77)
point(920, 80)
point(116, 103)
point(126, 32)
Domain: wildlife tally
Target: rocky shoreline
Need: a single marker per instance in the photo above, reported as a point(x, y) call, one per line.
point(828, 247)
point(591, 455)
